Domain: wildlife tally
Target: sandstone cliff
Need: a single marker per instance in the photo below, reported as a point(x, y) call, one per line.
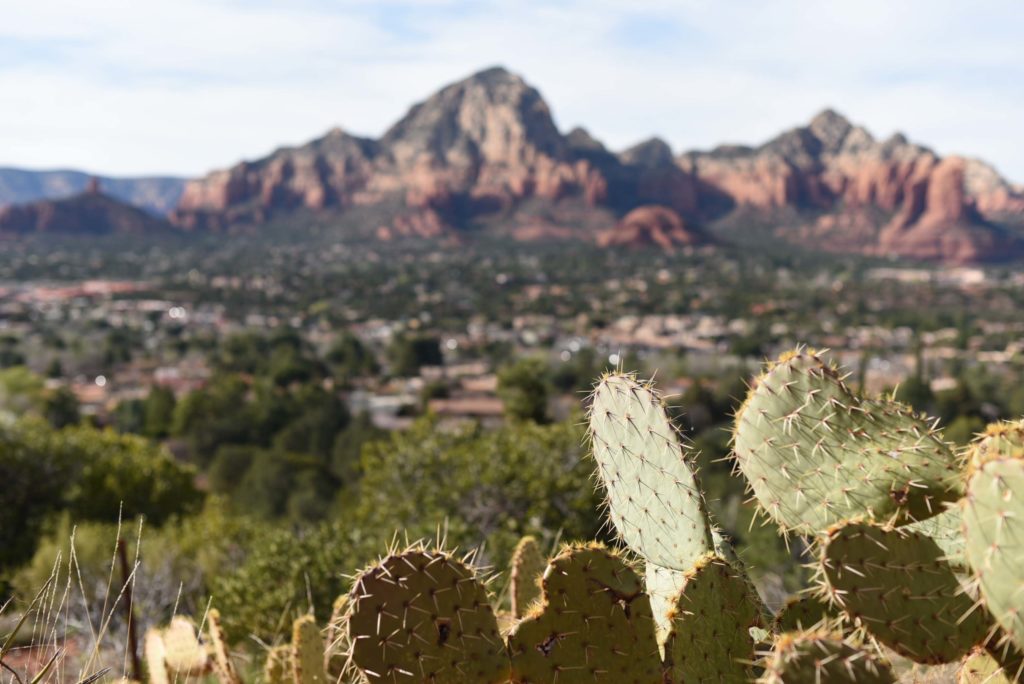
point(487, 147)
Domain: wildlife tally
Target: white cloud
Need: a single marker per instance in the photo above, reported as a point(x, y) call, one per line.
point(183, 86)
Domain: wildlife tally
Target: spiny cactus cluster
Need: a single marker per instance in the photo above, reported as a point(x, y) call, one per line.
point(916, 547)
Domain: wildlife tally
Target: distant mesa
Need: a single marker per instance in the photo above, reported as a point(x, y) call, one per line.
point(157, 195)
point(484, 156)
point(89, 213)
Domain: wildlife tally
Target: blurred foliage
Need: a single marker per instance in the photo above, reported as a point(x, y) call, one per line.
point(524, 388)
point(477, 488)
point(93, 474)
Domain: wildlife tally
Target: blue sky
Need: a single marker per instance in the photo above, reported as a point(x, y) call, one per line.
point(185, 86)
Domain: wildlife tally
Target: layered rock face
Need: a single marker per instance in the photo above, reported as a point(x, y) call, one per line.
point(488, 147)
point(888, 198)
point(88, 213)
point(477, 146)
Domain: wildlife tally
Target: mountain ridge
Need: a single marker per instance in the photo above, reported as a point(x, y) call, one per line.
point(156, 194)
point(484, 153)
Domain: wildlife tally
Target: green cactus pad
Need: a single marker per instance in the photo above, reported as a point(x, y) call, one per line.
point(223, 666)
point(1004, 439)
point(896, 585)
point(815, 454)
point(422, 615)
point(594, 624)
point(307, 656)
point(994, 534)
point(663, 587)
point(711, 620)
point(278, 667)
point(184, 656)
point(979, 667)
point(822, 658)
point(652, 493)
point(803, 613)
point(946, 529)
point(528, 564)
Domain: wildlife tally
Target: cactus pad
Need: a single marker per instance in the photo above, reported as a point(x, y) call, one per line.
point(1004, 439)
point(278, 667)
point(528, 565)
point(154, 652)
point(994, 534)
point(184, 656)
point(822, 658)
point(594, 624)
point(422, 615)
point(803, 613)
point(711, 621)
point(223, 666)
point(307, 653)
point(897, 586)
point(663, 587)
point(815, 454)
point(979, 667)
point(652, 493)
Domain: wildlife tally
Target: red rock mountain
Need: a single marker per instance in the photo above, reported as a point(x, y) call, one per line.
point(486, 151)
point(88, 213)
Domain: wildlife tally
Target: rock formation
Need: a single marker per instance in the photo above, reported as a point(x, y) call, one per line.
point(88, 213)
point(487, 148)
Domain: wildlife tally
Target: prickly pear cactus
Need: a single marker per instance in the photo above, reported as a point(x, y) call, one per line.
point(711, 619)
point(663, 586)
point(336, 642)
point(278, 667)
point(1004, 439)
point(423, 615)
point(652, 493)
point(897, 585)
point(153, 649)
point(307, 656)
point(994, 528)
point(803, 613)
point(528, 565)
point(815, 454)
point(979, 667)
point(594, 624)
point(822, 658)
point(184, 656)
point(223, 666)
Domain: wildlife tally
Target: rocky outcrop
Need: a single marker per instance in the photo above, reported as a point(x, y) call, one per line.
point(485, 150)
point(888, 198)
point(88, 213)
point(649, 225)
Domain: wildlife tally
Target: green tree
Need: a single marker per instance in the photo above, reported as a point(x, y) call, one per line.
point(410, 353)
point(60, 407)
point(158, 412)
point(523, 387)
point(349, 358)
point(483, 487)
